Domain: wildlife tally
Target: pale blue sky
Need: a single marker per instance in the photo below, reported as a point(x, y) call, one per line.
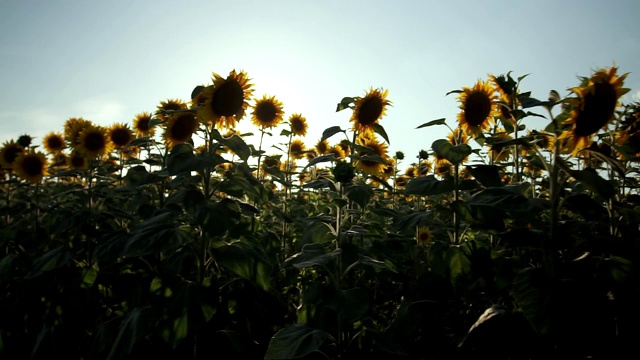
point(106, 61)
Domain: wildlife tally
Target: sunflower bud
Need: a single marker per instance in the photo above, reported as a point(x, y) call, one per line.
point(343, 172)
point(24, 140)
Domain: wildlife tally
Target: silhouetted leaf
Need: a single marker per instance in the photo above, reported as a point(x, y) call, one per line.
point(441, 121)
point(294, 342)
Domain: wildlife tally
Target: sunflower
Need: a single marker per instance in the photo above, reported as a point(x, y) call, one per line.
point(478, 105)
point(288, 166)
point(368, 110)
point(375, 148)
point(402, 181)
point(337, 152)
point(77, 161)
point(271, 162)
point(54, 142)
point(179, 128)
point(25, 140)
point(412, 171)
point(443, 167)
point(322, 147)
point(58, 159)
point(424, 167)
point(346, 146)
point(93, 142)
point(141, 124)
point(297, 149)
point(225, 102)
point(593, 108)
point(31, 166)
point(310, 154)
point(267, 112)
point(423, 235)
point(497, 152)
point(457, 137)
point(389, 169)
point(72, 129)
point(167, 107)
point(120, 135)
point(298, 125)
point(8, 154)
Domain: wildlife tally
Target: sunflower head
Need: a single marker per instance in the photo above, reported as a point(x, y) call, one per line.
point(267, 112)
point(298, 125)
point(31, 166)
point(322, 147)
point(225, 102)
point(457, 137)
point(443, 167)
point(54, 142)
point(167, 107)
point(369, 109)
point(25, 140)
point(412, 171)
point(93, 142)
point(77, 161)
point(497, 152)
point(337, 152)
point(179, 128)
point(424, 167)
point(141, 124)
point(479, 106)
point(401, 181)
point(72, 129)
point(9, 152)
point(593, 107)
point(373, 166)
point(120, 135)
point(423, 235)
point(297, 149)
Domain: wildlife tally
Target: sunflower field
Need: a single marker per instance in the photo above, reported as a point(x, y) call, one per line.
point(175, 237)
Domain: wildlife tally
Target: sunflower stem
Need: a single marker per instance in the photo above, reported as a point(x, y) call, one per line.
point(456, 218)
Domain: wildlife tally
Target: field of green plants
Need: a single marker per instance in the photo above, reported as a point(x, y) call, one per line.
point(173, 237)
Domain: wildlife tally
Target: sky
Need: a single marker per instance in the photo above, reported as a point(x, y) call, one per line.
point(107, 61)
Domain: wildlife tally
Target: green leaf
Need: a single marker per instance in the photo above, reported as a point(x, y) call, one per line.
point(238, 146)
point(329, 132)
point(378, 129)
point(459, 263)
point(320, 159)
point(246, 260)
point(345, 103)
point(218, 217)
point(54, 259)
point(136, 325)
point(196, 91)
point(594, 182)
point(313, 254)
point(360, 194)
point(294, 342)
point(455, 154)
point(428, 185)
point(441, 121)
point(487, 175)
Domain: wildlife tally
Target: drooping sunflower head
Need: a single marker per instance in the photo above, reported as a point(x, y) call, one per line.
point(298, 124)
point(120, 135)
point(423, 235)
point(593, 107)
point(72, 129)
point(401, 181)
point(54, 142)
point(31, 166)
point(267, 112)
point(424, 167)
point(9, 152)
point(141, 124)
point(412, 171)
point(479, 106)
point(369, 109)
point(297, 149)
point(167, 107)
point(179, 128)
point(225, 102)
point(443, 167)
point(365, 161)
point(93, 142)
point(322, 147)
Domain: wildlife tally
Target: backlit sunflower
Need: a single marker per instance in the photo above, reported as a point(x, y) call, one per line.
point(593, 108)
point(54, 142)
point(141, 124)
point(369, 109)
point(267, 112)
point(179, 128)
point(425, 167)
point(167, 107)
point(25, 140)
point(412, 171)
point(120, 135)
point(402, 181)
point(298, 125)
point(8, 153)
point(322, 147)
point(497, 152)
point(423, 235)
point(310, 154)
point(93, 142)
point(337, 152)
point(72, 129)
point(478, 105)
point(457, 137)
point(443, 167)
point(297, 149)
point(31, 166)
point(372, 167)
point(288, 166)
point(346, 146)
point(225, 102)
point(77, 161)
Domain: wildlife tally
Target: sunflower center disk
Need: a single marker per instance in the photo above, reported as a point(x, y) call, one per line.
point(370, 111)
point(32, 166)
point(94, 142)
point(266, 113)
point(477, 108)
point(183, 128)
point(598, 109)
point(227, 99)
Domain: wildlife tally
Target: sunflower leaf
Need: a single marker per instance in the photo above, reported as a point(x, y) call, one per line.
point(319, 159)
point(440, 121)
point(329, 132)
point(455, 154)
point(344, 103)
point(378, 129)
point(454, 92)
point(196, 91)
